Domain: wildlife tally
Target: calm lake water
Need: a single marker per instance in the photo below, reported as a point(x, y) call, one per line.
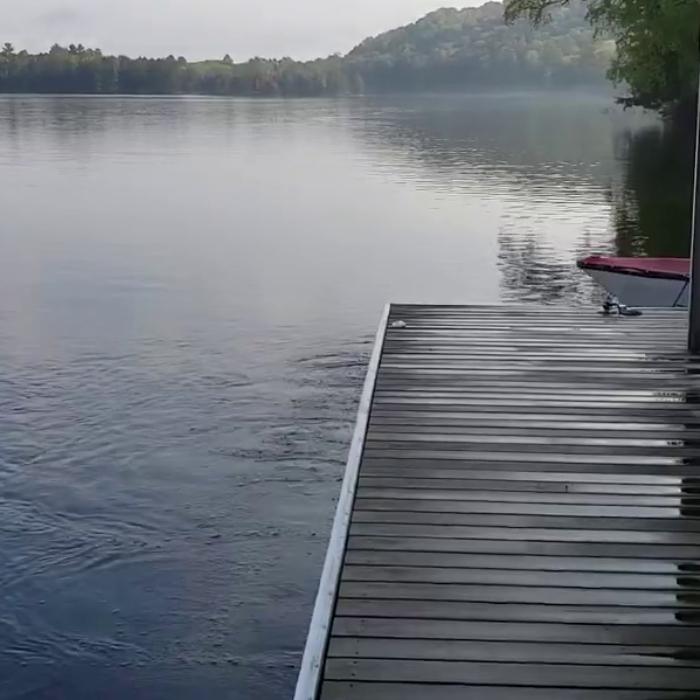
point(188, 293)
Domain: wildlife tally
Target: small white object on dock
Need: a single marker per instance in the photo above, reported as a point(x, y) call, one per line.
point(399, 324)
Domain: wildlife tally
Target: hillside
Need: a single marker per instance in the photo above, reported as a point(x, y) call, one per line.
point(457, 48)
point(448, 49)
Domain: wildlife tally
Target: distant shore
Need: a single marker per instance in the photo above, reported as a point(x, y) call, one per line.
point(447, 50)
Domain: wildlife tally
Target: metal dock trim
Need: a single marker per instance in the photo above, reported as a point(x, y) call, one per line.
point(309, 679)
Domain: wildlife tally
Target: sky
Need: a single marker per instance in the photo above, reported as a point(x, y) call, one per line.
point(200, 29)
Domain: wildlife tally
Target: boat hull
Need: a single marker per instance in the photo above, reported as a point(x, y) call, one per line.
point(641, 290)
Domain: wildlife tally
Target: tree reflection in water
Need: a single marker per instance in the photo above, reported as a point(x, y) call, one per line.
point(652, 207)
point(532, 271)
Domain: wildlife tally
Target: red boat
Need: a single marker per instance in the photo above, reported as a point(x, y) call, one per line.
point(638, 282)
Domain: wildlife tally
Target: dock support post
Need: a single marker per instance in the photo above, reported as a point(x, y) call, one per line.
point(694, 301)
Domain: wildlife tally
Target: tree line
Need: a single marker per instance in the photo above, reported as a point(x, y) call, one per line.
point(445, 50)
point(76, 69)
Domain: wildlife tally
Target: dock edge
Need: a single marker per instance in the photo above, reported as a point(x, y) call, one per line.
point(311, 669)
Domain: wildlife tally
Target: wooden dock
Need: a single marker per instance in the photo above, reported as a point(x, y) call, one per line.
point(520, 516)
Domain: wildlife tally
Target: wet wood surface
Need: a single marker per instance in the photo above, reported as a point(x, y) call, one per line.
point(526, 522)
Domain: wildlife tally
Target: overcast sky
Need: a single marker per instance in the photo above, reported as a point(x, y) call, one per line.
point(208, 28)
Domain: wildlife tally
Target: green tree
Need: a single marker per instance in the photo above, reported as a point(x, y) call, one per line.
point(656, 45)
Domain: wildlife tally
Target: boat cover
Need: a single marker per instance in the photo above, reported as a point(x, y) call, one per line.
point(668, 268)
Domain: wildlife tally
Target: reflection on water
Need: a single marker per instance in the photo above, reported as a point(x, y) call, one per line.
point(188, 291)
point(571, 178)
point(532, 271)
point(652, 205)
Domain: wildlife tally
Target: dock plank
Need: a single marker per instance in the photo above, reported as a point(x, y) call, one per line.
point(679, 638)
point(509, 651)
point(351, 690)
point(519, 674)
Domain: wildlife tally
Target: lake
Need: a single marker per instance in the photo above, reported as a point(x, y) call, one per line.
point(189, 289)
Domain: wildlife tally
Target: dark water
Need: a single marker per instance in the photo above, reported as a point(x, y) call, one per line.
point(188, 292)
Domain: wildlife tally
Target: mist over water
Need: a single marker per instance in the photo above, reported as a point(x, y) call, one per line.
point(189, 289)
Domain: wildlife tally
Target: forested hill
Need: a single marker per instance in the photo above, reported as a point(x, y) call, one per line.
point(446, 50)
point(453, 48)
